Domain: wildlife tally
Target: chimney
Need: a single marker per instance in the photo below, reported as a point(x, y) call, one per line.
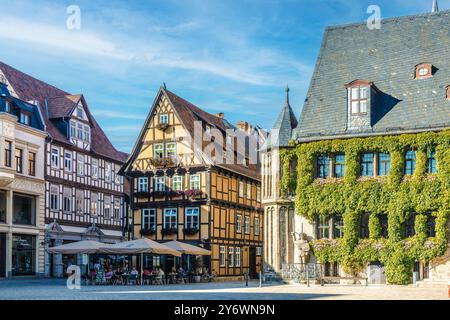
point(244, 126)
point(220, 115)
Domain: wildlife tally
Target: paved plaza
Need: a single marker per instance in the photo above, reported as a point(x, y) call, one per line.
point(57, 290)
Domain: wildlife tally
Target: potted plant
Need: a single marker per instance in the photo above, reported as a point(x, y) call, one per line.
point(162, 126)
point(193, 193)
point(190, 231)
point(198, 270)
point(148, 232)
point(169, 231)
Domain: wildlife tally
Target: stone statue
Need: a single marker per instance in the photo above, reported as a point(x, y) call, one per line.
point(302, 243)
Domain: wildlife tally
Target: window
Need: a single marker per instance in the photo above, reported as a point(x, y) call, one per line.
point(149, 219)
point(177, 183)
point(7, 106)
point(94, 204)
point(239, 223)
point(358, 100)
point(24, 209)
point(8, 153)
point(431, 225)
point(55, 158)
point(331, 269)
point(163, 119)
point(258, 194)
point(258, 251)
point(192, 218)
point(256, 226)
point(247, 224)
point(19, 160)
point(338, 226)
point(116, 209)
point(424, 70)
point(222, 256)
point(142, 184)
point(323, 167)
point(364, 226)
point(67, 200)
point(80, 113)
point(117, 179)
point(2, 206)
point(68, 161)
point(339, 166)
point(87, 134)
point(431, 162)
point(367, 164)
point(108, 172)
point(409, 225)
point(383, 220)
point(323, 227)
point(194, 182)
point(24, 118)
point(410, 162)
point(237, 256)
point(107, 206)
point(23, 252)
point(54, 198)
point(31, 163)
point(73, 129)
point(208, 129)
point(170, 218)
point(249, 191)
point(94, 168)
point(230, 256)
point(80, 202)
point(171, 150)
point(80, 131)
point(384, 164)
point(80, 165)
point(160, 183)
point(241, 189)
point(159, 151)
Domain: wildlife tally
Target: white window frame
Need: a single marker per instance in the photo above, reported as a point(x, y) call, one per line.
point(117, 179)
point(94, 204)
point(67, 194)
point(238, 256)
point(247, 224)
point(241, 189)
point(68, 164)
point(116, 209)
point(108, 172)
point(149, 215)
point(73, 129)
point(168, 214)
point(80, 108)
point(160, 184)
point(192, 212)
point(258, 251)
point(230, 257)
point(54, 198)
point(239, 223)
point(256, 226)
point(87, 133)
point(258, 194)
point(222, 258)
point(107, 207)
point(192, 182)
point(78, 203)
point(143, 184)
point(54, 157)
point(94, 168)
point(177, 183)
point(164, 118)
point(81, 160)
point(249, 191)
point(172, 147)
point(158, 151)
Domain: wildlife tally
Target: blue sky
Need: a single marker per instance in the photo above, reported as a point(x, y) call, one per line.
point(225, 56)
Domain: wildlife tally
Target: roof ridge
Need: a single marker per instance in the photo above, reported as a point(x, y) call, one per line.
point(391, 19)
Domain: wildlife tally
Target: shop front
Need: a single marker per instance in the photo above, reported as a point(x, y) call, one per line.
point(2, 255)
point(23, 255)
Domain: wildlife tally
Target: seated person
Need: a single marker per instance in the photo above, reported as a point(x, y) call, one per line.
point(134, 272)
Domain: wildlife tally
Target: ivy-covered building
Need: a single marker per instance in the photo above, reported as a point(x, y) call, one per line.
point(367, 167)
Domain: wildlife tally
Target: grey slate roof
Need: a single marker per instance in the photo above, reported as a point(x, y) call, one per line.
point(387, 57)
point(281, 131)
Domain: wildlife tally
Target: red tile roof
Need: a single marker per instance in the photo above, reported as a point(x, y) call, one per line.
point(59, 102)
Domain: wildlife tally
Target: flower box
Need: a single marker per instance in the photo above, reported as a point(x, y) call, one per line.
point(193, 193)
point(191, 231)
point(148, 232)
point(169, 231)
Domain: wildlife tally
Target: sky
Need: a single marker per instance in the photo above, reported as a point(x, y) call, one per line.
point(225, 56)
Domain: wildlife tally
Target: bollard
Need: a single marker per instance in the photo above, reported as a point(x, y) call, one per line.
point(260, 279)
point(246, 279)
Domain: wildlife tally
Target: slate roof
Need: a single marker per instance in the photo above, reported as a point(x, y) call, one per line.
point(387, 57)
point(281, 131)
point(59, 102)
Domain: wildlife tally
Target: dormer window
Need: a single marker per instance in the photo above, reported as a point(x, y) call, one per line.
point(358, 100)
point(424, 70)
point(7, 106)
point(80, 113)
point(24, 118)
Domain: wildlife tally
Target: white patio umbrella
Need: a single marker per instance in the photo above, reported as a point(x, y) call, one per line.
point(80, 247)
point(186, 248)
point(140, 246)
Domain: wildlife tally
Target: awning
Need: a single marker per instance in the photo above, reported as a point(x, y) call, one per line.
point(186, 248)
point(140, 246)
point(80, 247)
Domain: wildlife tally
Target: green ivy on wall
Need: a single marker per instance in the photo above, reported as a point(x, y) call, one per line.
point(395, 195)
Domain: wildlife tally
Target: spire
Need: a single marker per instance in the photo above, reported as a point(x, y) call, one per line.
point(435, 7)
point(286, 104)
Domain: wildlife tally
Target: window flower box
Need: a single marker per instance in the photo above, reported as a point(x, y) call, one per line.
point(169, 231)
point(162, 162)
point(148, 232)
point(176, 193)
point(162, 126)
point(191, 231)
point(159, 194)
point(193, 194)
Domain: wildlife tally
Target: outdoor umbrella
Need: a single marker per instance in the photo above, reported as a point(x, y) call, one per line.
point(140, 246)
point(186, 248)
point(80, 247)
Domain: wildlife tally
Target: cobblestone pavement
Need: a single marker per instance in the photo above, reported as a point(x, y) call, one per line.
point(57, 290)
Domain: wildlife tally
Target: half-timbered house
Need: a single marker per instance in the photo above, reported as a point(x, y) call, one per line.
point(179, 193)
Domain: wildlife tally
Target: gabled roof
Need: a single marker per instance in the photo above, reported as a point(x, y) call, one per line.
point(387, 57)
point(281, 131)
point(58, 101)
point(188, 113)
